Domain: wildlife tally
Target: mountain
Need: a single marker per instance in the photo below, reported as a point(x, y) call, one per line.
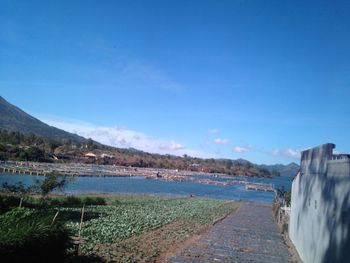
point(14, 119)
point(289, 170)
point(25, 138)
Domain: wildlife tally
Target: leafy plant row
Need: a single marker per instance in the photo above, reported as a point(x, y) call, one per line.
point(115, 223)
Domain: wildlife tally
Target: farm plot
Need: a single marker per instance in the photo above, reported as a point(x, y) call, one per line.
point(142, 229)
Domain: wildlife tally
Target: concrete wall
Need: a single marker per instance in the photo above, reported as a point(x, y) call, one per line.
point(320, 207)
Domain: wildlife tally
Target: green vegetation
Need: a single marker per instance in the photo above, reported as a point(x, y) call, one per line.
point(29, 147)
point(74, 201)
point(28, 235)
point(10, 201)
point(24, 138)
point(51, 182)
point(124, 220)
point(26, 147)
point(135, 218)
point(283, 196)
point(14, 119)
point(116, 228)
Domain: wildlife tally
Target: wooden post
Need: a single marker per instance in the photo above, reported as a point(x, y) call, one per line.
point(54, 218)
point(80, 227)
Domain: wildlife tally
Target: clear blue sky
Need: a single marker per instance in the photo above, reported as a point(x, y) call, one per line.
point(259, 80)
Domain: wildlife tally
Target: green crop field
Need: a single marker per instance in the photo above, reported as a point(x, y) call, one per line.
point(118, 231)
point(119, 228)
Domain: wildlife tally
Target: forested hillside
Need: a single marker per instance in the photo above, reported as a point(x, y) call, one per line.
point(30, 147)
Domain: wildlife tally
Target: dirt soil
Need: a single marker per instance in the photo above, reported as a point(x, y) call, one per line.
point(153, 246)
point(158, 244)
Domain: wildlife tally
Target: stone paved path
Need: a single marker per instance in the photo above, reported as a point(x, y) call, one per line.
point(248, 235)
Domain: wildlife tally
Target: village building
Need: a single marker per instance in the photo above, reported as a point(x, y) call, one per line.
point(107, 156)
point(90, 155)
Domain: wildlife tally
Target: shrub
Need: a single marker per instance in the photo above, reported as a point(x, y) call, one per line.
point(71, 201)
point(94, 200)
point(75, 201)
point(27, 235)
point(8, 201)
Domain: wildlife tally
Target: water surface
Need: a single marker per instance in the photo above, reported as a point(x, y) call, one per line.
point(140, 185)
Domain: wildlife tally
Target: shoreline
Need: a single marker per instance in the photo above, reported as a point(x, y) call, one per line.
point(82, 169)
point(91, 170)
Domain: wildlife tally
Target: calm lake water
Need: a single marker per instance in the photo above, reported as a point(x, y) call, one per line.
point(139, 185)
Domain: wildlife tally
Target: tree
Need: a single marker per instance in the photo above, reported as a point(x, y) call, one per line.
point(51, 182)
point(52, 145)
point(90, 144)
point(35, 154)
point(228, 164)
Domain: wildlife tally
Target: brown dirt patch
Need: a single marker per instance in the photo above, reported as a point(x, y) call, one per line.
point(158, 244)
point(152, 246)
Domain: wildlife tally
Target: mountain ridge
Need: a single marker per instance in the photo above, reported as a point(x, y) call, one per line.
point(72, 147)
point(288, 170)
point(13, 118)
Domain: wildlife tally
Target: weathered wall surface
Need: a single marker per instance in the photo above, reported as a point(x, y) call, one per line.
point(320, 207)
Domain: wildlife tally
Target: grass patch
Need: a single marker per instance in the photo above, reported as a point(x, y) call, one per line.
point(27, 235)
point(76, 201)
point(7, 202)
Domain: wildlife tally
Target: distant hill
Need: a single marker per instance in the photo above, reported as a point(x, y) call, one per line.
point(23, 137)
point(289, 170)
point(14, 119)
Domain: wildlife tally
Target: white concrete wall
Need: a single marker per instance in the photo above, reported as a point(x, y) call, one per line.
point(320, 207)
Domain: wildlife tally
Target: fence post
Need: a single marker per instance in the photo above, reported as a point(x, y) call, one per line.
point(80, 227)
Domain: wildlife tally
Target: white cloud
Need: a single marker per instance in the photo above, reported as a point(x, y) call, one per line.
point(173, 146)
point(240, 149)
point(292, 153)
point(221, 141)
point(177, 146)
point(125, 138)
point(289, 152)
point(213, 131)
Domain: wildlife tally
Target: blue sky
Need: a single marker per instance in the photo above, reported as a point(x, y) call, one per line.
point(259, 80)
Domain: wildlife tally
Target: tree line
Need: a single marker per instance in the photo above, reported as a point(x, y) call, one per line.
point(30, 147)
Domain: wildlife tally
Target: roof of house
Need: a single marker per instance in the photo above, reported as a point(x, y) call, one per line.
point(90, 154)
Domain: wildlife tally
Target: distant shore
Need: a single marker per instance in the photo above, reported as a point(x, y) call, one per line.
point(83, 170)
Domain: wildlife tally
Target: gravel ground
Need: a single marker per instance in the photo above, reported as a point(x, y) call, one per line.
point(247, 235)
